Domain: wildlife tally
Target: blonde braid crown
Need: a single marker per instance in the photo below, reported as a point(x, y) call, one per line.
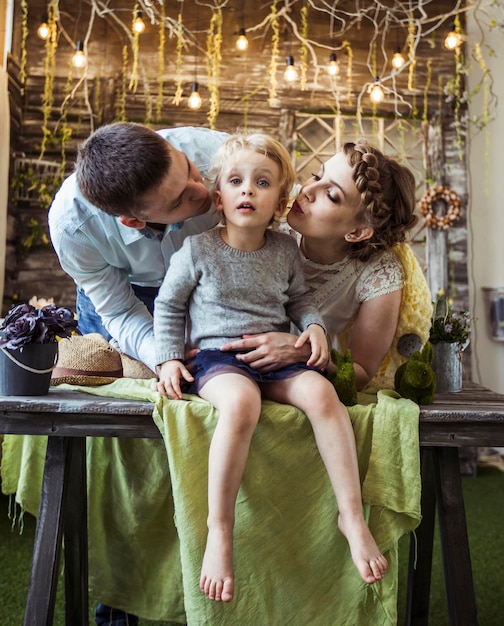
point(387, 192)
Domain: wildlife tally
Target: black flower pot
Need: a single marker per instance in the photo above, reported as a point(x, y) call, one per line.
point(27, 371)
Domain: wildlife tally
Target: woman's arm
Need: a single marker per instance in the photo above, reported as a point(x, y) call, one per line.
point(372, 335)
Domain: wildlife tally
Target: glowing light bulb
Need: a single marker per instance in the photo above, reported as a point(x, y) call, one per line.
point(453, 39)
point(333, 65)
point(242, 41)
point(43, 29)
point(290, 74)
point(138, 23)
point(398, 60)
point(376, 92)
point(194, 101)
point(79, 58)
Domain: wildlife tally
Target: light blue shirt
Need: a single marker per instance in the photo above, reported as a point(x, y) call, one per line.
point(104, 257)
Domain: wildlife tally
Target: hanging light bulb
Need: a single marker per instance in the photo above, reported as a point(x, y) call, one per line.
point(138, 23)
point(453, 39)
point(79, 59)
point(290, 74)
point(376, 92)
point(398, 60)
point(242, 41)
point(43, 29)
point(194, 101)
point(333, 65)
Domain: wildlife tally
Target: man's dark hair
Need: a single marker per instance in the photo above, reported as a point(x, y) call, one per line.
point(119, 163)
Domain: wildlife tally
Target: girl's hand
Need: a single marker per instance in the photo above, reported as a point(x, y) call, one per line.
point(315, 336)
point(170, 374)
point(268, 352)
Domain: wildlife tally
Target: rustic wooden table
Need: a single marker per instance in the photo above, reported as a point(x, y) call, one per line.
point(473, 417)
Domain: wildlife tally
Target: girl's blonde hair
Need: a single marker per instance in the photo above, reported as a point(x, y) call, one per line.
point(262, 144)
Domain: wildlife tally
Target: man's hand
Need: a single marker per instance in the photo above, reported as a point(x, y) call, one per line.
point(169, 374)
point(268, 352)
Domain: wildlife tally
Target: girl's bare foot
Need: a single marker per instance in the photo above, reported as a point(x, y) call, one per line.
point(369, 561)
point(217, 574)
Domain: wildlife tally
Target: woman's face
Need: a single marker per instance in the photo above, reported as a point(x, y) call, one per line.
point(328, 203)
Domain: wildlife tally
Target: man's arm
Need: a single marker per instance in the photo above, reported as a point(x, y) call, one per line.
point(124, 316)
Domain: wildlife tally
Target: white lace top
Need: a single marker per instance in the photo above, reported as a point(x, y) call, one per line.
point(339, 289)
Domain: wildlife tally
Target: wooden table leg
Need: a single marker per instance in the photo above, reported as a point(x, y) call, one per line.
point(421, 545)
point(63, 488)
point(75, 536)
point(47, 545)
point(454, 540)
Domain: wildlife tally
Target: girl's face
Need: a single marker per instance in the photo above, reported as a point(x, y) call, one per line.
point(328, 203)
point(249, 189)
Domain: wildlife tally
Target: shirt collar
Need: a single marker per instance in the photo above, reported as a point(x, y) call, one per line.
point(130, 235)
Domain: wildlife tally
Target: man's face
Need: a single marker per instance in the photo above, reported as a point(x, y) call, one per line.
point(182, 194)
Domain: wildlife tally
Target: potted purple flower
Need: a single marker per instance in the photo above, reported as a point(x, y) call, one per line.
point(29, 347)
point(449, 335)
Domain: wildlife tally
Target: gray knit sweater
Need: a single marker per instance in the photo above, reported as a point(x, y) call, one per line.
point(223, 293)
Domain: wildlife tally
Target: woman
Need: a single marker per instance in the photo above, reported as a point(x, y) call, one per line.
point(350, 218)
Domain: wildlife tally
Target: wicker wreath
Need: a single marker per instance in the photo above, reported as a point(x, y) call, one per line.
point(453, 211)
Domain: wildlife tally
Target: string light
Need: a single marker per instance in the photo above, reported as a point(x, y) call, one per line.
point(79, 58)
point(290, 74)
point(376, 92)
point(242, 41)
point(138, 23)
point(194, 101)
point(333, 65)
point(43, 29)
point(398, 60)
point(453, 39)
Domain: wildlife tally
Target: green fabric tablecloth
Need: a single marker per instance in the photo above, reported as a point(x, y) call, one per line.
point(148, 507)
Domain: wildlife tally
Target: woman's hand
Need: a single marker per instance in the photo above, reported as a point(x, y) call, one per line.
point(269, 351)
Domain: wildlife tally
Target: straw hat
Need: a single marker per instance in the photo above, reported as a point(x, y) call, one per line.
point(87, 360)
point(135, 369)
point(91, 360)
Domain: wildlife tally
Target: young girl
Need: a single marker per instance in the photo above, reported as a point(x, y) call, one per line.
point(244, 276)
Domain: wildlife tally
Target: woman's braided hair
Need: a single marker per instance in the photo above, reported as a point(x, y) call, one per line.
point(387, 191)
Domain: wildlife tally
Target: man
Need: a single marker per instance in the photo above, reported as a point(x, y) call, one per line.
point(115, 223)
point(135, 195)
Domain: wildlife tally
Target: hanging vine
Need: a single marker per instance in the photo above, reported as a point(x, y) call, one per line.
point(428, 79)
point(459, 71)
point(49, 67)
point(485, 118)
point(97, 105)
point(304, 47)
point(413, 62)
point(121, 99)
point(214, 59)
point(275, 47)
point(179, 33)
point(161, 64)
point(65, 130)
point(24, 36)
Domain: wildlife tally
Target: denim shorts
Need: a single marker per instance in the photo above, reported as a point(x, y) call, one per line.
point(213, 362)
